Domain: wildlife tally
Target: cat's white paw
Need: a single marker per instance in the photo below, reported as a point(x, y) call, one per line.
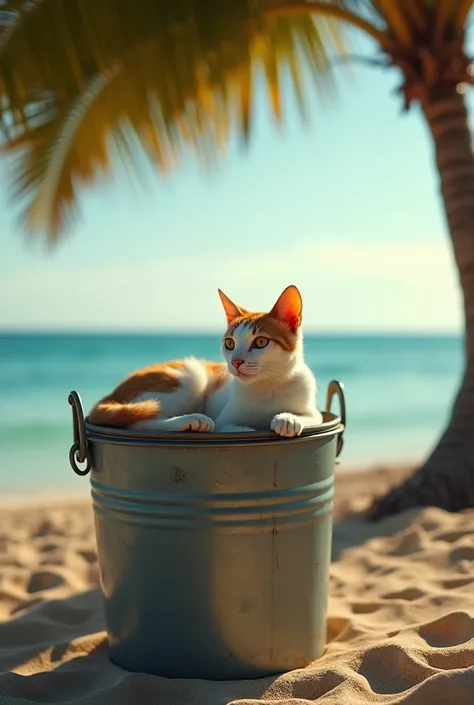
point(286, 425)
point(197, 422)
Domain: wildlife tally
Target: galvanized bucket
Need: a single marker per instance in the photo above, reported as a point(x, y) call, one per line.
point(214, 549)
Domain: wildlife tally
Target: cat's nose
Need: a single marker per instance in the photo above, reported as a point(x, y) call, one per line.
point(237, 362)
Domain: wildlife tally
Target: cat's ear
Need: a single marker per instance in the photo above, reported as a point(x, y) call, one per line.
point(232, 311)
point(289, 308)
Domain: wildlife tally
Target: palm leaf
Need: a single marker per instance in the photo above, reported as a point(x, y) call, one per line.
point(93, 89)
point(396, 18)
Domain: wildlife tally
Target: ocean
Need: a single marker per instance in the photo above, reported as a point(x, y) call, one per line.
point(398, 393)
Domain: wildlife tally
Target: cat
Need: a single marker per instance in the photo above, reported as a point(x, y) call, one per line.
point(263, 384)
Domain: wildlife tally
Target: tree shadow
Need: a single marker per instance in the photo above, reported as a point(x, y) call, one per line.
point(354, 529)
point(52, 624)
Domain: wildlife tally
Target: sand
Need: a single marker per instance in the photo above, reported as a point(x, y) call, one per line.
point(400, 629)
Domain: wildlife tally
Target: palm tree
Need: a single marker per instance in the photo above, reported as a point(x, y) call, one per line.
point(79, 75)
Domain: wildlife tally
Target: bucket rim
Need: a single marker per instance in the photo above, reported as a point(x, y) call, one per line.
point(85, 432)
point(331, 425)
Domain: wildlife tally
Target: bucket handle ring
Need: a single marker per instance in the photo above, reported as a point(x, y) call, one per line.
point(79, 451)
point(336, 388)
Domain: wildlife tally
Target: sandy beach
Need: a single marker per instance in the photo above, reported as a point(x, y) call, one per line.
point(400, 628)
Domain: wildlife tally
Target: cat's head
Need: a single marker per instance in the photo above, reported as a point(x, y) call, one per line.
point(259, 346)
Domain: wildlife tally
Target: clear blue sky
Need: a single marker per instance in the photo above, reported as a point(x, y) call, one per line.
point(346, 208)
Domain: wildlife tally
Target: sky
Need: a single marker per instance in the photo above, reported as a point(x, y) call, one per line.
point(345, 206)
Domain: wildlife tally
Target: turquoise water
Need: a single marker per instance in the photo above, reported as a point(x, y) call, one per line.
point(398, 391)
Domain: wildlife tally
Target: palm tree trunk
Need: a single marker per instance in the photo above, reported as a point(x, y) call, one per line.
point(447, 478)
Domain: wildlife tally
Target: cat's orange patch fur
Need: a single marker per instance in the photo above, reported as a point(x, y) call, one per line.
point(118, 408)
point(121, 414)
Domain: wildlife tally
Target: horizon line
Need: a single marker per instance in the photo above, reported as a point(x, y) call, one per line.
point(395, 332)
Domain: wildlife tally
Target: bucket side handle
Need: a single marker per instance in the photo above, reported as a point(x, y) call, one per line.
point(79, 451)
point(336, 388)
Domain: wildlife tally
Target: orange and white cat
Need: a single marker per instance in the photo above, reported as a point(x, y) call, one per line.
point(263, 384)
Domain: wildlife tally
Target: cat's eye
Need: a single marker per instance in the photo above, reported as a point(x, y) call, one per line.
point(260, 342)
point(229, 343)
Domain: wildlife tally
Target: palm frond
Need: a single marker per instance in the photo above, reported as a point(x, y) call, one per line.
point(396, 18)
point(346, 12)
point(176, 75)
point(81, 80)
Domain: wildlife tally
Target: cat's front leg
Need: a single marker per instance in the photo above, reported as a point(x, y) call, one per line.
point(287, 425)
point(290, 425)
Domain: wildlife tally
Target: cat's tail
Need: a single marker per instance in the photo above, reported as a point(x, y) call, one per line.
point(121, 415)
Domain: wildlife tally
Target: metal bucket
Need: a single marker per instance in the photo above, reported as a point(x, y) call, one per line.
point(214, 549)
